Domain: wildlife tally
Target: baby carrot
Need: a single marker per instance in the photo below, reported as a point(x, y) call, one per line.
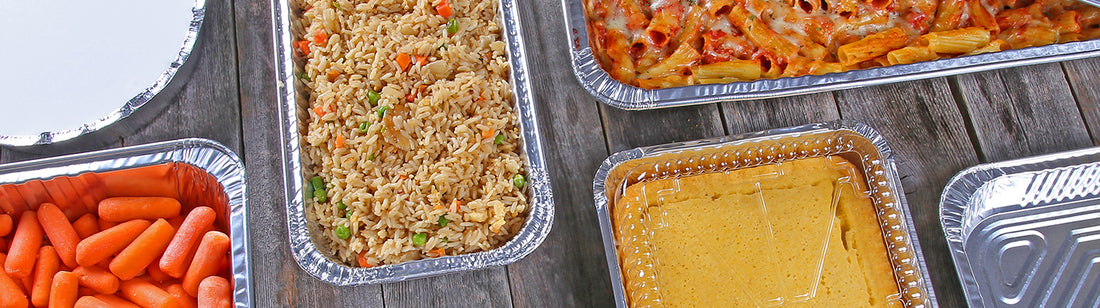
point(104, 225)
point(47, 266)
point(157, 180)
point(155, 274)
point(5, 224)
point(186, 301)
point(147, 295)
point(97, 279)
point(216, 292)
point(177, 256)
point(106, 243)
point(120, 209)
point(86, 225)
point(64, 197)
point(24, 246)
point(211, 250)
point(91, 302)
point(63, 290)
point(403, 60)
point(11, 295)
point(60, 231)
point(115, 301)
point(133, 259)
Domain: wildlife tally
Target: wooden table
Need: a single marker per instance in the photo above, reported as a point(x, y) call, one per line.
point(936, 128)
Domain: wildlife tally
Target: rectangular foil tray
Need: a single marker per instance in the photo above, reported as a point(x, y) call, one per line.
point(540, 213)
point(617, 94)
point(201, 160)
point(856, 142)
point(1026, 232)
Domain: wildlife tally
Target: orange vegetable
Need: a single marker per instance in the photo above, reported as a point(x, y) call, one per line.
point(64, 197)
point(119, 209)
point(91, 302)
point(147, 295)
point(46, 267)
point(24, 246)
point(332, 74)
point(91, 188)
point(86, 225)
point(5, 224)
point(186, 301)
point(455, 205)
point(488, 133)
point(421, 60)
point(320, 38)
point(63, 290)
point(179, 252)
point(439, 252)
point(104, 225)
point(146, 248)
point(319, 111)
point(215, 292)
point(211, 251)
point(115, 301)
point(403, 60)
point(339, 141)
point(11, 294)
point(363, 262)
point(106, 243)
point(303, 47)
point(150, 181)
point(60, 231)
point(98, 279)
point(154, 272)
point(444, 9)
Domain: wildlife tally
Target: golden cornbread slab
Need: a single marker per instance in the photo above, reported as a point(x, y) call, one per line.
point(807, 216)
point(801, 232)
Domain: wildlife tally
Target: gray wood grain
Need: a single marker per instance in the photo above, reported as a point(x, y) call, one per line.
point(629, 129)
point(1084, 78)
point(481, 288)
point(1022, 111)
point(278, 281)
point(568, 269)
point(926, 132)
point(758, 115)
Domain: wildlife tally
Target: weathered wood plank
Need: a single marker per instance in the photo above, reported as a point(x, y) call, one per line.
point(628, 129)
point(1022, 111)
point(1084, 78)
point(278, 281)
point(926, 132)
point(758, 115)
point(480, 288)
point(568, 269)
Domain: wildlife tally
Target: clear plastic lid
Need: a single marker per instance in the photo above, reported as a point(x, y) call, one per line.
point(804, 220)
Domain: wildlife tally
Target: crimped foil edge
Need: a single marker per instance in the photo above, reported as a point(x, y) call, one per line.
point(957, 197)
point(210, 156)
point(617, 94)
point(609, 173)
point(131, 105)
point(313, 261)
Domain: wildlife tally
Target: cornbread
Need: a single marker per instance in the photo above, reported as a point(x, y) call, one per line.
point(798, 233)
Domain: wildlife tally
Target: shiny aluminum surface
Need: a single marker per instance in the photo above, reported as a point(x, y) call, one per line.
point(617, 94)
point(858, 143)
point(209, 156)
point(1026, 232)
point(540, 214)
point(177, 68)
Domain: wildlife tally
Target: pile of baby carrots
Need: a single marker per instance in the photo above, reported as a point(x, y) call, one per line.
point(124, 252)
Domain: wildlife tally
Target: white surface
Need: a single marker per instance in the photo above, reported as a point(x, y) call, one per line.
point(70, 63)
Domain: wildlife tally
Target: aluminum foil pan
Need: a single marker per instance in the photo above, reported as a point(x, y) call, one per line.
point(540, 213)
point(624, 96)
point(854, 142)
point(1026, 232)
point(81, 96)
point(202, 172)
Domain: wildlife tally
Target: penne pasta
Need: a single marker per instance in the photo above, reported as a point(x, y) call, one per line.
point(994, 46)
point(911, 54)
point(872, 46)
point(956, 41)
point(676, 64)
point(949, 15)
point(739, 69)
